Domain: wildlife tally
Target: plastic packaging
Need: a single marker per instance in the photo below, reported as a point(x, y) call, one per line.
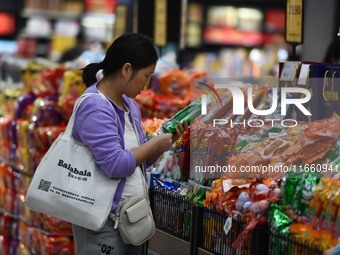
point(189, 113)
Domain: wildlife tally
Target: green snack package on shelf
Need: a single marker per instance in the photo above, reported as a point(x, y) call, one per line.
point(189, 113)
point(278, 220)
point(279, 228)
point(289, 189)
point(200, 197)
point(304, 192)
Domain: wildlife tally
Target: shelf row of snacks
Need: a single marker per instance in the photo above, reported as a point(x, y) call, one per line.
point(23, 231)
point(275, 165)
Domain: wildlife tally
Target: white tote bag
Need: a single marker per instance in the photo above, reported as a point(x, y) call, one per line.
point(69, 185)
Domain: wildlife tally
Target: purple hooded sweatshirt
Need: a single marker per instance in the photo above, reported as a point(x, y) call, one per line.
point(96, 127)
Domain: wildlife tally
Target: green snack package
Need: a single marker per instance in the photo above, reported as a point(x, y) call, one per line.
point(304, 192)
point(279, 221)
point(279, 224)
point(189, 113)
point(289, 189)
point(200, 197)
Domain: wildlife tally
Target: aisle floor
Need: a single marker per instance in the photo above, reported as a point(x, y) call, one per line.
point(152, 252)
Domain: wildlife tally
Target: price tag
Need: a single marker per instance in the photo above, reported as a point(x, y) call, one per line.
point(294, 21)
point(289, 71)
point(227, 225)
point(304, 73)
point(120, 25)
point(160, 26)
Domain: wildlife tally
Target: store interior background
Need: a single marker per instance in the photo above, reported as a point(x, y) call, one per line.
point(53, 26)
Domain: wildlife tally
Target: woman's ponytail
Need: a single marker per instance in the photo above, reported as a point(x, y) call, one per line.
point(90, 73)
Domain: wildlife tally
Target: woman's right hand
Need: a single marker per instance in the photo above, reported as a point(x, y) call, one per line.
point(163, 141)
point(151, 150)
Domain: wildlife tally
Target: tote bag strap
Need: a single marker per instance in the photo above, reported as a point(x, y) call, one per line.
point(142, 165)
point(70, 123)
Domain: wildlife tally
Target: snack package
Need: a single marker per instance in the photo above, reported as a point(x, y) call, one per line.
point(34, 239)
point(22, 210)
point(3, 169)
point(316, 204)
point(22, 250)
point(303, 194)
point(21, 158)
point(5, 140)
point(328, 212)
point(174, 83)
point(21, 182)
point(145, 101)
point(279, 224)
point(196, 135)
point(6, 225)
point(50, 224)
point(46, 112)
point(39, 141)
point(205, 156)
point(32, 78)
point(8, 200)
point(221, 152)
point(289, 187)
point(165, 107)
point(150, 126)
point(13, 247)
point(9, 175)
point(180, 164)
point(71, 88)
point(4, 244)
point(189, 113)
point(336, 232)
point(56, 245)
point(52, 78)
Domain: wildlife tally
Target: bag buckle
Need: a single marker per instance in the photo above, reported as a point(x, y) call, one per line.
point(115, 218)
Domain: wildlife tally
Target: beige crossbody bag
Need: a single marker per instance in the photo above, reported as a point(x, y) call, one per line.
point(133, 216)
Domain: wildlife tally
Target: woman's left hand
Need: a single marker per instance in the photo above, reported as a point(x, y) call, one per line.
point(180, 129)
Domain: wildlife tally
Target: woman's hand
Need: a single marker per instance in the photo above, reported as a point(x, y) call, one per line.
point(180, 130)
point(151, 150)
point(163, 142)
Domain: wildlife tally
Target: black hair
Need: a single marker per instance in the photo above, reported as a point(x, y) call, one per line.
point(134, 48)
point(333, 51)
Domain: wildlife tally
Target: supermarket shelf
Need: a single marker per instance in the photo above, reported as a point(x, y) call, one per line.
point(67, 15)
point(15, 167)
point(14, 216)
point(24, 34)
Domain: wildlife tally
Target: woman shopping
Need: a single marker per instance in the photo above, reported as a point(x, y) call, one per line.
point(115, 135)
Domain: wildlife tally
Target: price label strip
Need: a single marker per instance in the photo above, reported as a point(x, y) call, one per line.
point(294, 20)
point(160, 27)
point(304, 73)
point(289, 71)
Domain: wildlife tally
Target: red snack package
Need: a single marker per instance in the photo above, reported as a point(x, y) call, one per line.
point(57, 245)
point(6, 225)
point(9, 178)
point(174, 83)
point(8, 199)
point(4, 244)
point(52, 77)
